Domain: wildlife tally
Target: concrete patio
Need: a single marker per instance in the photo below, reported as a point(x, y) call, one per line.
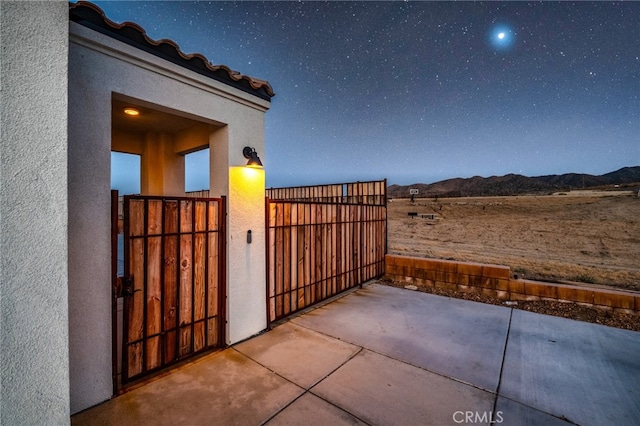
point(387, 356)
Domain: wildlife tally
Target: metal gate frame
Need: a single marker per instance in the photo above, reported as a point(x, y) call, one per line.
point(180, 247)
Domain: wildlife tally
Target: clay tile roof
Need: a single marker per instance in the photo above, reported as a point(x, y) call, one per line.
point(91, 16)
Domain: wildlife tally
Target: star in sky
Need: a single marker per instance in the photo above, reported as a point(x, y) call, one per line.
point(501, 37)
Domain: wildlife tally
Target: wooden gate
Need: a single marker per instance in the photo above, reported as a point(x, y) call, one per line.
point(174, 280)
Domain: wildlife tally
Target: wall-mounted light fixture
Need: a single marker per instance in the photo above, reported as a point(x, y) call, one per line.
point(131, 111)
point(251, 154)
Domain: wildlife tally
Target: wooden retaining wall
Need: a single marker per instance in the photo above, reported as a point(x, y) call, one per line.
point(496, 281)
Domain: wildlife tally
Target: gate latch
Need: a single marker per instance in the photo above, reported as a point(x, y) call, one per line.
point(127, 286)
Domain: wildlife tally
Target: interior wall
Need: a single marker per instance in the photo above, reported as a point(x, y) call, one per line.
point(34, 371)
point(193, 139)
point(239, 121)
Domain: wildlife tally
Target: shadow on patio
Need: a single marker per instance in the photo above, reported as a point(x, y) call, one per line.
point(382, 355)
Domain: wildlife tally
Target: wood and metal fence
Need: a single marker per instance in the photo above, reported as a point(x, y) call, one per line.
point(370, 193)
point(321, 241)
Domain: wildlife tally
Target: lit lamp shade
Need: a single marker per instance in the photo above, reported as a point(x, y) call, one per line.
point(251, 154)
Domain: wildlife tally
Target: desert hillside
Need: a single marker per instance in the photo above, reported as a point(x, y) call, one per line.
point(591, 237)
point(626, 178)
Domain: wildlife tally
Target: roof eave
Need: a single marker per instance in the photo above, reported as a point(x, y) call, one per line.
point(91, 16)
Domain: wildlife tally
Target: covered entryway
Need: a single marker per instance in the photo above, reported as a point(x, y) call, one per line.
point(173, 282)
point(168, 297)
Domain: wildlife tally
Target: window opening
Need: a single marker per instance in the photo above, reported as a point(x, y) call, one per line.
point(197, 171)
point(125, 173)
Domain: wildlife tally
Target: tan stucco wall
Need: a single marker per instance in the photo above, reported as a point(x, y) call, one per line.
point(98, 67)
point(246, 212)
point(162, 169)
point(34, 376)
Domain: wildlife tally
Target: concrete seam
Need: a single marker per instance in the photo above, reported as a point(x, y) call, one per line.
point(333, 371)
point(398, 360)
point(307, 390)
point(504, 356)
point(541, 411)
point(437, 373)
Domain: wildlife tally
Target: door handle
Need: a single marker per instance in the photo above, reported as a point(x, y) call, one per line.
point(127, 286)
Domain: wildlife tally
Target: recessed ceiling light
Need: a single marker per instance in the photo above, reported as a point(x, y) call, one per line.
point(131, 111)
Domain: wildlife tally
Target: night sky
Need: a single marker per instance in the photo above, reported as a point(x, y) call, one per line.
point(423, 91)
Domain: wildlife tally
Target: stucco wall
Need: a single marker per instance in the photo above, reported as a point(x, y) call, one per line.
point(33, 213)
point(246, 213)
point(98, 67)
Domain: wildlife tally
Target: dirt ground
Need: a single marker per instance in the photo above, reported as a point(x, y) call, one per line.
point(579, 236)
point(582, 237)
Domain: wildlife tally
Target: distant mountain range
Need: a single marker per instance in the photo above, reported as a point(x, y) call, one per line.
point(512, 184)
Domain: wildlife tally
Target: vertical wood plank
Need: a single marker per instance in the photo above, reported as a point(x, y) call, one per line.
point(170, 288)
point(307, 255)
point(170, 299)
point(154, 217)
point(356, 244)
point(318, 254)
point(136, 217)
point(134, 359)
point(293, 255)
point(217, 273)
point(272, 260)
point(186, 284)
point(286, 261)
point(213, 280)
point(153, 351)
point(200, 269)
point(136, 307)
point(326, 257)
point(333, 248)
point(200, 216)
point(279, 260)
point(199, 337)
point(301, 279)
point(199, 260)
point(186, 222)
point(186, 295)
point(340, 248)
point(154, 302)
point(213, 220)
point(213, 327)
